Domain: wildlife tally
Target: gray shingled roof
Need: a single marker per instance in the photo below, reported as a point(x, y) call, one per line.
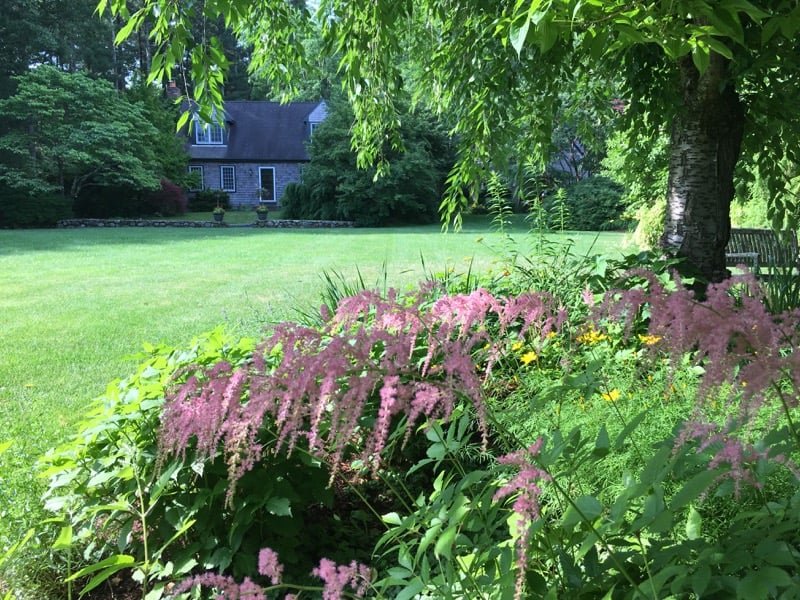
point(261, 132)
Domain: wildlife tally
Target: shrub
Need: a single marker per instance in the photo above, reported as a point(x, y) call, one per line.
point(206, 200)
point(295, 201)
point(593, 204)
point(168, 201)
point(18, 209)
point(408, 190)
point(109, 202)
point(651, 225)
point(473, 445)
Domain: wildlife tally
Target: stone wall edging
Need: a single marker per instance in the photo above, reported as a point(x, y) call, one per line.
point(268, 224)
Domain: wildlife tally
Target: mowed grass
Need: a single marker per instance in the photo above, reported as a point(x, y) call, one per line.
point(77, 304)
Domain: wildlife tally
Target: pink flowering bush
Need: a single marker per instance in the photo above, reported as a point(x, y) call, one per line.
point(482, 444)
point(339, 390)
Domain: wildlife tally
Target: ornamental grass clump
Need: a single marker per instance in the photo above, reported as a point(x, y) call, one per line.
point(338, 390)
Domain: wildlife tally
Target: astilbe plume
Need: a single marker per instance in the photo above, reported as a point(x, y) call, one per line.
point(746, 353)
point(526, 504)
point(411, 356)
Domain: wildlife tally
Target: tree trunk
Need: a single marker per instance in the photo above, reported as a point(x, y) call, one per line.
point(704, 147)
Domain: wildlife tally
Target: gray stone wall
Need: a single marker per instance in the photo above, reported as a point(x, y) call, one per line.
point(268, 224)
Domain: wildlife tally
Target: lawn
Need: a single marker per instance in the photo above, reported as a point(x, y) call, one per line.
point(78, 303)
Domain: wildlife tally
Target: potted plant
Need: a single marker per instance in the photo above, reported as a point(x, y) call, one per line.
point(262, 212)
point(218, 213)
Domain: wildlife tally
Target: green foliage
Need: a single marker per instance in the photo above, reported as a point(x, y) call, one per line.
point(408, 192)
point(592, 204)
point(639, 163)
point(651, 224)
point(83, 135)
point(208, 199)
point(115, 506)
point(18, 209)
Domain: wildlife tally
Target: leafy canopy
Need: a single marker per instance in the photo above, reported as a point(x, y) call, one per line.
point(496, 68)
point(64, 132)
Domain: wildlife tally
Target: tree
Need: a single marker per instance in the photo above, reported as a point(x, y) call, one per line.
point(721, 74)
point(66, 132)
point(407, 193)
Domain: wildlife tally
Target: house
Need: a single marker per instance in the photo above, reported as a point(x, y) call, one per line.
point(260, 149)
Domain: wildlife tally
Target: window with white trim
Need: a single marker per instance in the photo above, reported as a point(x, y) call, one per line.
point(199, 170)
point(312, 127)
point(227, 178)
point(207, 133)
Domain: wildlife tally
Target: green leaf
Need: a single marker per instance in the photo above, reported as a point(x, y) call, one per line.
point(118, 561)
point(5, 446)
point(694, 524)
point(518, 35)
point(411, 590)
point(700, 579)
point(64, 539)
point(701, 58)
point(444, 544)
point(690, 490)
point(602, 444)
point(619, 441)
point(280, 507)
point(583, 508)
point(759, 583)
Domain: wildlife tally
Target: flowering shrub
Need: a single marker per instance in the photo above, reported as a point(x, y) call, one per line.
point(469, 445)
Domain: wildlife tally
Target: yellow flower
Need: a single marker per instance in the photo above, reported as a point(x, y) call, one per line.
point(516, 346)
point(592, 337)
point(551, 334)
point(611, 396)
point(528, 358)
point(649, 339)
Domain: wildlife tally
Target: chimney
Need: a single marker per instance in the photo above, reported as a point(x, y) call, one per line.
point(173, 91)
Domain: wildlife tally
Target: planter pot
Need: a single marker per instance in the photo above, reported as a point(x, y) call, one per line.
point(218, 217)
point(262, 216)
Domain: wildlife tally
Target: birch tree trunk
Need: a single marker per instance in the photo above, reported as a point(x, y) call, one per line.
point(705, 142)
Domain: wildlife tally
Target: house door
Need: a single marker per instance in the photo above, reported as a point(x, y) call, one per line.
point(266, 176)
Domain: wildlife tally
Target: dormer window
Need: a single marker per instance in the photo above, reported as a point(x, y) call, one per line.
point(312, 126)
point(207, 133)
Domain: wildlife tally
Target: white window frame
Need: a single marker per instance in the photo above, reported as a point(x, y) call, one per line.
point(312, 126)
point(198, 169)
point(232, 170)
point(261, 187)
point(207, 134)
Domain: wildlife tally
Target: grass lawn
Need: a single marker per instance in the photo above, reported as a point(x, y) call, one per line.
point(78, 303)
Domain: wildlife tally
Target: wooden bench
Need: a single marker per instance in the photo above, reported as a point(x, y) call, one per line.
point(762, 248)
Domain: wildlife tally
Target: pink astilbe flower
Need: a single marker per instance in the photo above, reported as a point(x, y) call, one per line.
point(227, 588)
point(411, 357)
point(526, 504)
point(355, 575)
point(740, 345)
point(269, 565)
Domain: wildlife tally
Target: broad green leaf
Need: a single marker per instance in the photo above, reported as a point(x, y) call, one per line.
point(411, 590)
point(700, 579)
point(120, 561)
point(582, 508)
point(444, 544)
point(619, 441)
point(602, 444)
point(700, 58)
point(693, 488)
point(280, 507)
point(5, 446)
point(694, 524)
point(64, 539)
point(518, 35)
